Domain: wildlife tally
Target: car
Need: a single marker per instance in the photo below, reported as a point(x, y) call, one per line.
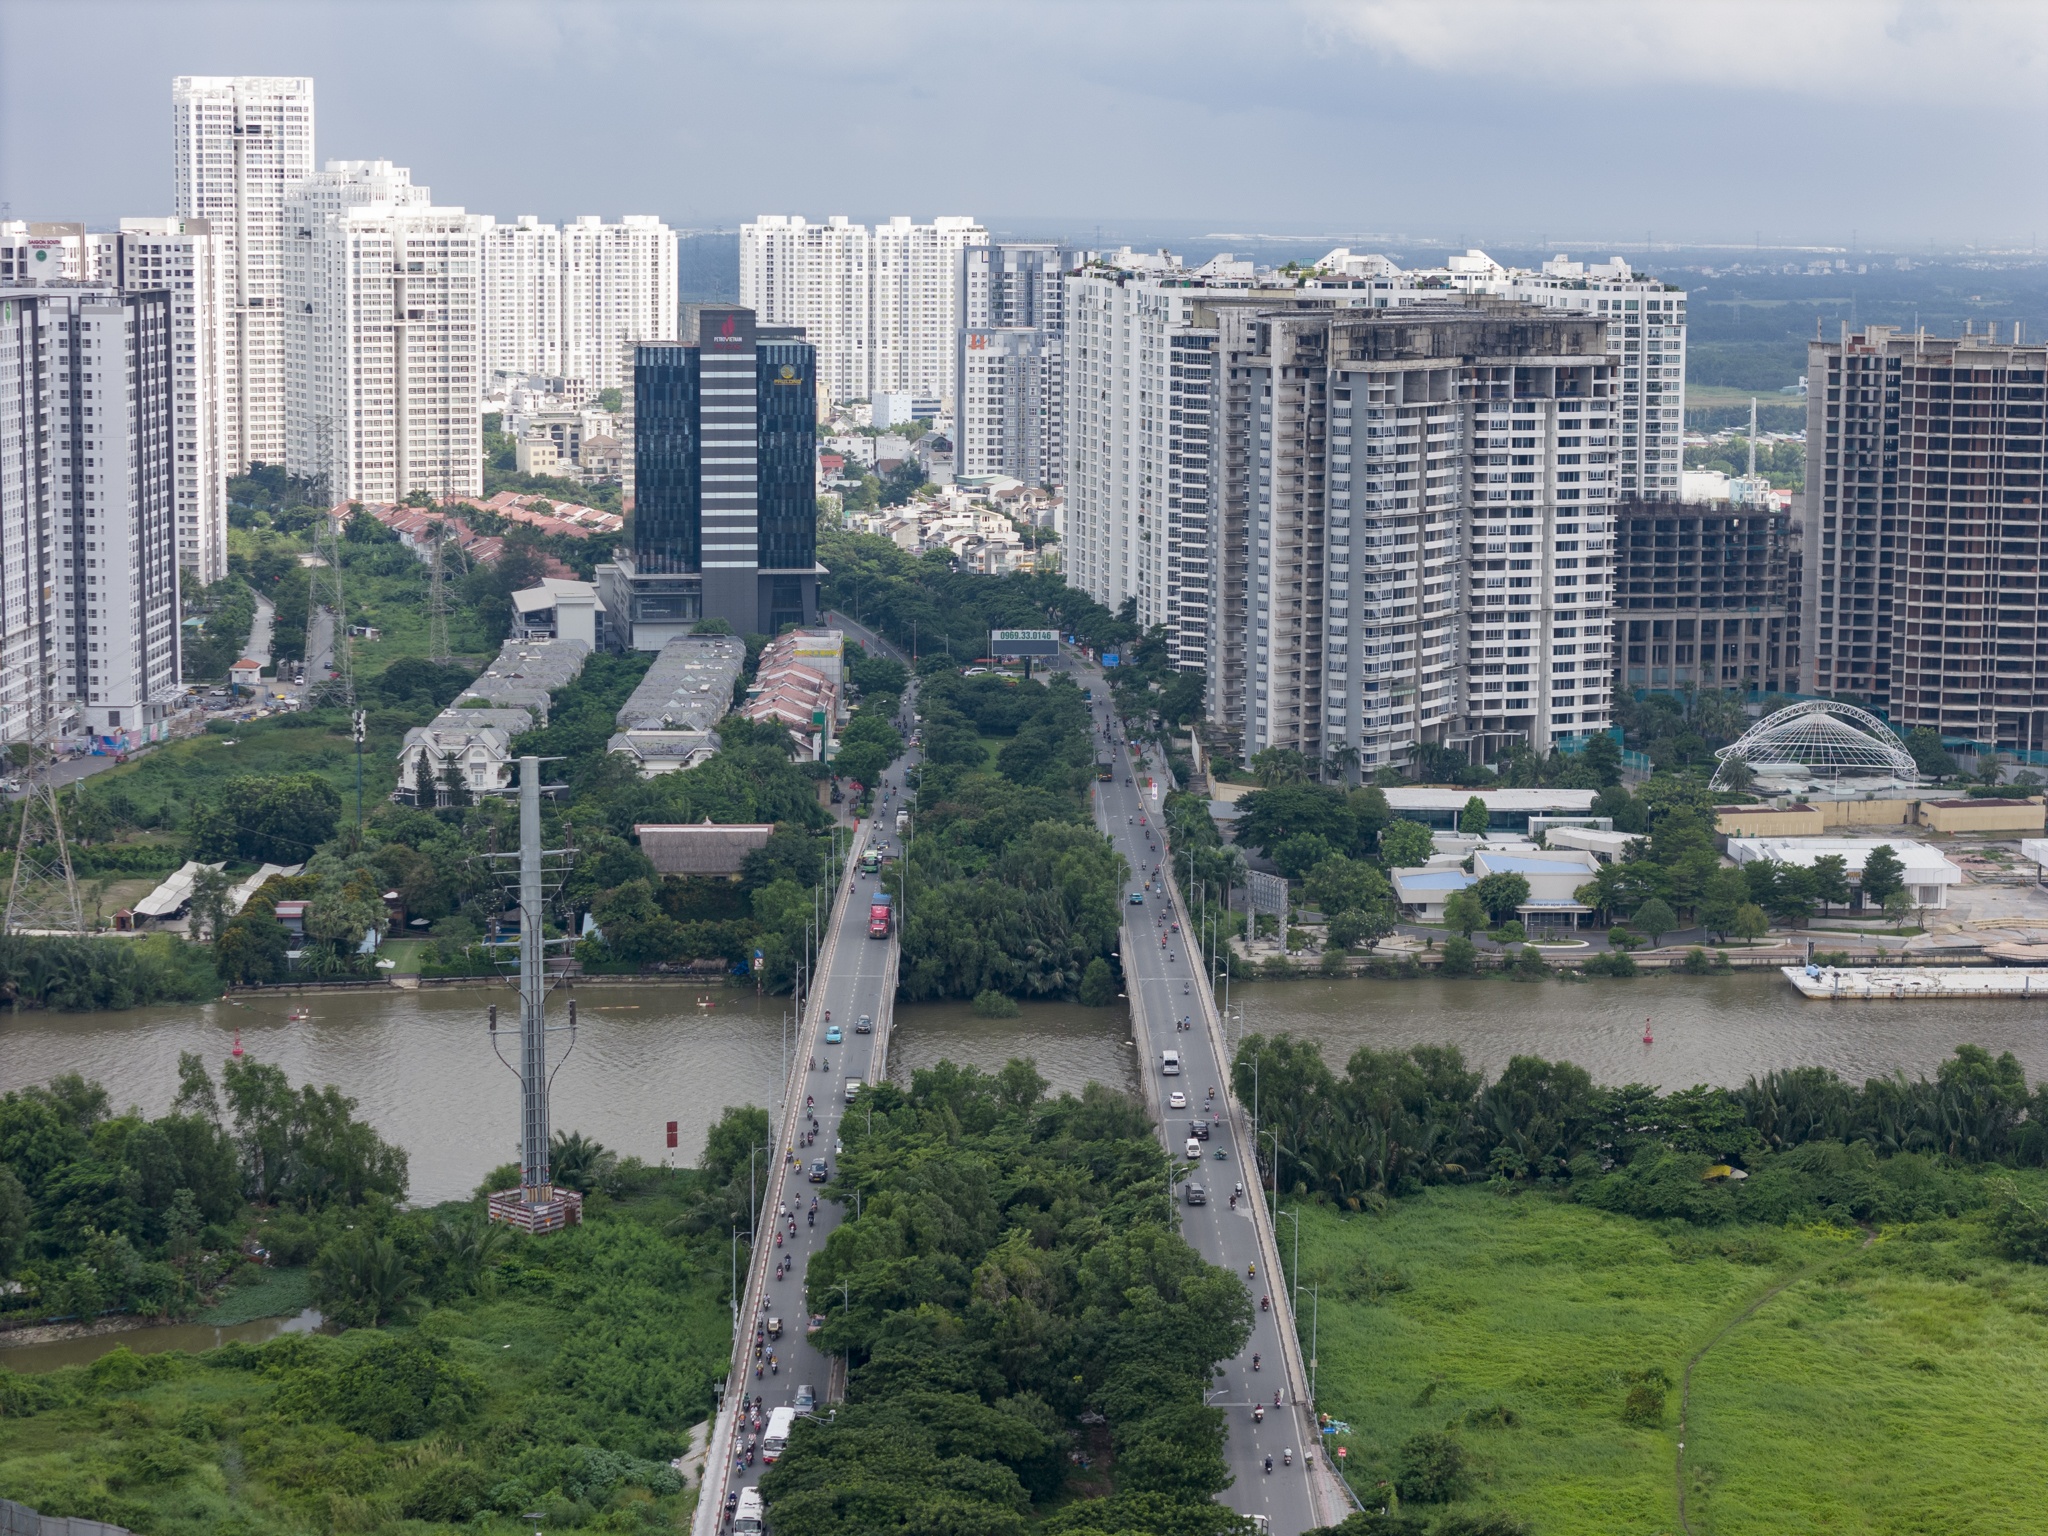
point(817, 1322)
point(866, 1026)
point(774, 1327)
point(1137, 898)
point(820, 1170)
point(1196, 1195)
point(1194, 1150)
point(1176, 1100)
point(832, 1035)
point(806, 1399)
point(1199, 1129)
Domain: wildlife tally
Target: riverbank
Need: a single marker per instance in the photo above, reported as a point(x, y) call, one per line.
point(1550, 1340)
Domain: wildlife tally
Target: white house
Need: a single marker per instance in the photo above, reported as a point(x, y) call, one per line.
point(1928, 872)
point(476, 742)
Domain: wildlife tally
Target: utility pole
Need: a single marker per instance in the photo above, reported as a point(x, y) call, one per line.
point(437, 599)
point(42, 896)
point(361, 721)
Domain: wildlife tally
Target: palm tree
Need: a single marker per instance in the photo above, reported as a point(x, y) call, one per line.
point(465, 1249)
point(361, 1281)
point(579, 1162)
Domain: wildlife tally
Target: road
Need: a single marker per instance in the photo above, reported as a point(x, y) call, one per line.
point(857, 976)
point(1160, 981)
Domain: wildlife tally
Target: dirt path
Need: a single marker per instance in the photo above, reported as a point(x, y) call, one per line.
point(1685, 1387)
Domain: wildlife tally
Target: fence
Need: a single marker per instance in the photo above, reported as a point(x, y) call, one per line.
point(20, 1520)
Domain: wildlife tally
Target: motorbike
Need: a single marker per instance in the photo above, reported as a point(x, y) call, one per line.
point(1269, 1464)
point(1287, 1457)
point(1265, 1302)
point(1258, 1413)
point(1255, 1362)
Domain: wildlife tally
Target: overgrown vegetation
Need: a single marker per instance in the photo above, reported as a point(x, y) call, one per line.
point(982, 1359)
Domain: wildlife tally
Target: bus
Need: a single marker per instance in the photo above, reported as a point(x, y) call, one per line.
point(779, 1422)
point(870, 863)
point(747, 1518)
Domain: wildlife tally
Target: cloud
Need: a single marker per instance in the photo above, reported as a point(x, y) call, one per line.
point(1825, 48)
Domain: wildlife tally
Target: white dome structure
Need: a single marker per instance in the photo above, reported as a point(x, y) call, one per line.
point(1819, 738)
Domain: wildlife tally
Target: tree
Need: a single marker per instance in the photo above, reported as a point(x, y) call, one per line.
point(1338, 884)
point(1830, 880)
point(1655, 918)
point(1464, 912)
point(1473, 818)
point(1460, 957)
point(1431, 1468)
point(210, 889)
point(1929, 756)
point(1366, 926)
point(1724, 895)
point(1098, 984)
point(1275, 766)
point(1500, 894)
point(266, 819)
point(1883, 873)
point(1602, 754)
point(1738, 775)
point(362, 1281)
point(1897, 906)
point(1405, 845)
point(1300, 853)
point(1750, 924)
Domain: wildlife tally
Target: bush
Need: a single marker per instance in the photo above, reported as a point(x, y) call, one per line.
point(1431, 1468)
point(1529, 964)
point(1460, 957)
point(1333, 963)
point(1696, 962)
point(995, 1005)
point(1619, 963)
point(2019, 1228)
point(1643, 1408)
point(396, 1388)
point(1510, 932)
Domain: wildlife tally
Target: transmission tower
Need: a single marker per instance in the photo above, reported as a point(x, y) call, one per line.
point(42, 896)
point(344, 649)
point(437, 600)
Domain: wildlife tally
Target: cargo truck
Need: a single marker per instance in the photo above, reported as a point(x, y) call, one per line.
point(879, 915)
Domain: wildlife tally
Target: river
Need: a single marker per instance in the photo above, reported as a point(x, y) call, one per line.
point(420, 1064)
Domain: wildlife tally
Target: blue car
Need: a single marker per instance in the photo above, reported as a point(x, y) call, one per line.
point(832, 1036)
point(1137, 898)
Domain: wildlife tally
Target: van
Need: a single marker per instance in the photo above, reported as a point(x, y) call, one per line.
point(852, 1088)
point(779, 1422)
point(1169, 1063)
point(1196, 1195)
point(1194, 1150)
point(747, 1518)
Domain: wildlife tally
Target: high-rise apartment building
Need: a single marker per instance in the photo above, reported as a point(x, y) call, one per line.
point(1138, 435)
point(385, 343)
point(618, 289)
point(1706, 596)
point(1010, 418)
point(179, 257)
point(239, 143)
point(1923, 531)
point(882, 306)
point(522, 299)
point(1646, 335)
point(88, 508)
point(1414, 505)
point(725, 500)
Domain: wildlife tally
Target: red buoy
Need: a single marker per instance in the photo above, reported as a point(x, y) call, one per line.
point(1646, 1033)
point(238, 1044)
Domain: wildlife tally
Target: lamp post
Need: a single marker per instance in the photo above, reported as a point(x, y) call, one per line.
point(1295, 1217)
point(1314, 1328)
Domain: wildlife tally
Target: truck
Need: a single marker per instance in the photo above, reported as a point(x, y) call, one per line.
point(880, 915)
point(1103, 772)
point(902, 821)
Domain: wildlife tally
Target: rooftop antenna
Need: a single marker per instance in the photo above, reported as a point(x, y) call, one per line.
point(42, 896)
point(538, 1204)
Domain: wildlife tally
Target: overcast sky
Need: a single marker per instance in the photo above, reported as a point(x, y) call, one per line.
point(1571, 123)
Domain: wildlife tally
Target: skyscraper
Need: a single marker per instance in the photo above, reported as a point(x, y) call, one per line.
point(1399, 589)
point(725, 508)
point(522, 298)
point(882, 306)
point(88, 508)
point(1011, 415)
point(386, 344)
point(618, 288)
point(239, 142)
point(1924, 521)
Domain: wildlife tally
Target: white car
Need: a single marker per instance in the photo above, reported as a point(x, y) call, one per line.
point(1176, 1100)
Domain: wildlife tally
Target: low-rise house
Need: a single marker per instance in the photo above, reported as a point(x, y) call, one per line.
point(670, 720)
point(1928, 872)
point(174, 896)
point(703, 849)
point(558, 609)
point(527, 673)
point(460, 754)
point(797, 685)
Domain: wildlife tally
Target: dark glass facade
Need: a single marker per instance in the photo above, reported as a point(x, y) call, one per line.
point(667, 499)
point(788, 415)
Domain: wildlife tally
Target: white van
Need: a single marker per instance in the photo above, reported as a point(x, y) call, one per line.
point(747, 1517)
point(1169, 1063)
point(852, 1088)
point(1194, 1150)
point(779, 1421)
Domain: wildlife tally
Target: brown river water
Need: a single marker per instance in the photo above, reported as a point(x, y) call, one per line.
point(421, 1068)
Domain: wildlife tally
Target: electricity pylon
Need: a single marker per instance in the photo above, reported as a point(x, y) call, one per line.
point(42, 895)
point(437, 599)
point(344, 668)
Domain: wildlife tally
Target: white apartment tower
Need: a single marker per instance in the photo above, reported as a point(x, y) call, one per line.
point(1137, 445)
point(1413, 536)
point(179, 257)
point(882, 306)
point(88, 506)
point(239, 143)
point(1011, 415)
point(619, 288)
point(386, 344)
point(522, 298)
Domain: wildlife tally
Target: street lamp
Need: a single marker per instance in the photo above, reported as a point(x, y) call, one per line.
point(1315, 1296)
point(1295, 1217)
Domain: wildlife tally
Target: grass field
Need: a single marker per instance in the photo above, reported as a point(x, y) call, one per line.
point(1890, 1388)
point(184, 773)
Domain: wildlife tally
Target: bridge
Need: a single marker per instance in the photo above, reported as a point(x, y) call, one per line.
point(856, 978)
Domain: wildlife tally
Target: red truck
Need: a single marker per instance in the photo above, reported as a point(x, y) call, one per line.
point(879, 915)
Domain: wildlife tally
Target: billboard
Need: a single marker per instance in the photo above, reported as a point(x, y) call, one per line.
point(1023, 642)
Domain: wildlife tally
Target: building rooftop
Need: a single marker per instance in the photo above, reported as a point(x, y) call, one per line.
point(703, 849)
point(528, 672)
point(1434, 798)
point(689, 687)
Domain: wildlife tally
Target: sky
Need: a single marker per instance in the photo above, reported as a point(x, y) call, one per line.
point(1566, 124)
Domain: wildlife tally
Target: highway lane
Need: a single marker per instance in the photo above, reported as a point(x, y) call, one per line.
point(857, 977)
point(1161, 980)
